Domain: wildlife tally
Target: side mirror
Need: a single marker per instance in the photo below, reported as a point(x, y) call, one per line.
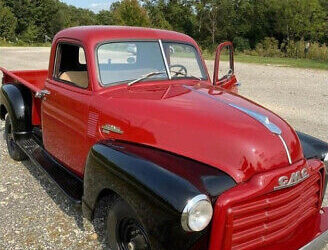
point(224, 66)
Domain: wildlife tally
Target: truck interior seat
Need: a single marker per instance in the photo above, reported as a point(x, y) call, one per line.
point(79, 78)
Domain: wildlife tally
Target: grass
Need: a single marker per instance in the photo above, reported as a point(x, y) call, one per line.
point(4, 43)
point(283, 62)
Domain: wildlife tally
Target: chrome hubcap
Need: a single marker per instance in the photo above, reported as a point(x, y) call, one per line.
point(131, 246)
point(131, 235)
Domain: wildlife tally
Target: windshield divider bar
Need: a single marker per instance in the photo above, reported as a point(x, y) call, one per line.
point(164, 57)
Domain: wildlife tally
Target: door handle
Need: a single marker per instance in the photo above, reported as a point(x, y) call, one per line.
point(42, 94)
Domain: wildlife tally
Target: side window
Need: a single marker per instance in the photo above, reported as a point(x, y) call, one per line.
point(71, 65)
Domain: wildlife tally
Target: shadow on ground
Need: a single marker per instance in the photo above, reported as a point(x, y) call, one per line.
point(64, 203)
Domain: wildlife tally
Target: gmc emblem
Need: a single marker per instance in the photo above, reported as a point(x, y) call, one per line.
point(295, 178)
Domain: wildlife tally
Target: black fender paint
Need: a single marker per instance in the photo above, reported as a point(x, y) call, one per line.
point(312, 147)
point(156, 184)
point(17, 100)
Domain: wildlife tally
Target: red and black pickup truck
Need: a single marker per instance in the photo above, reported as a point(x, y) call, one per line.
point(130, 116)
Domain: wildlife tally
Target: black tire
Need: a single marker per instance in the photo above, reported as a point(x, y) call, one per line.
point(123, 229)
point(14, 150)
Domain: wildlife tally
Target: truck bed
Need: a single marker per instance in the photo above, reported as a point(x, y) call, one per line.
point(32, 79)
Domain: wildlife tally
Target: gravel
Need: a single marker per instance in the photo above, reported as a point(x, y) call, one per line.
point(35, 214)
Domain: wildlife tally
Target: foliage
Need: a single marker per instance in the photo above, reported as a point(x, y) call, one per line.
point(292, 49)
point(130, 13)
point(241, 43)
point(297, 19)
point(268, 47)
point(8, 23)
point(258, 27)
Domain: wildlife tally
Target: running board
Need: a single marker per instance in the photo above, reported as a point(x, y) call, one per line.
point(68, 182)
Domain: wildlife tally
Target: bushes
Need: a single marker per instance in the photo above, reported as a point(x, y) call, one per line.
point(241, 44)
point(318, 52)
point(269, 47)
point(294, 49)
point(303, 49)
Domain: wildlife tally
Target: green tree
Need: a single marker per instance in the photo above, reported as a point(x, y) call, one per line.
point(297, 19)
point(31, 34)
point(129, 12)
point(215, 17)
point(180, 15)
point(8, 23)
point(44, 13)
point(104, 17)
point(155, 11)
point(22, 9)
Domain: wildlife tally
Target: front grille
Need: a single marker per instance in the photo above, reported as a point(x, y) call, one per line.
point(273, 216)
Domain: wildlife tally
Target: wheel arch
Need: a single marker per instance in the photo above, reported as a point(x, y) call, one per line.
point(154, 183)
point(16, 101)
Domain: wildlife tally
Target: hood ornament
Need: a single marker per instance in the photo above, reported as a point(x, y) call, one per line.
point(264, 120)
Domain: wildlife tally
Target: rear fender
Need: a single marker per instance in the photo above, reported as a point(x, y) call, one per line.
point(16, 99)
point(156, 184)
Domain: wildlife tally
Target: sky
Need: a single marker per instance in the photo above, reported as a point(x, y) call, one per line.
point(94, 5)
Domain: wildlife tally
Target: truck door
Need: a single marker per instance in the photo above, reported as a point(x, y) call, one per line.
point(65, 109)
point(224, 70)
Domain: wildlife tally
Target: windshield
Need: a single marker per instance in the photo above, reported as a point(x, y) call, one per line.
point(183, 61)
point(126, 62)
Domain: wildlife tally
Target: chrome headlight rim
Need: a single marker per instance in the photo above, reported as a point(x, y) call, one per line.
point(188, 208)
point(325, 158)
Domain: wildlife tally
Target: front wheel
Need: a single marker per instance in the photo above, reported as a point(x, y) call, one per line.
point(124, 230)
point(15, 152)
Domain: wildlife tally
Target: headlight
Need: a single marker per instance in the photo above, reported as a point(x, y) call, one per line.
point(197, 214)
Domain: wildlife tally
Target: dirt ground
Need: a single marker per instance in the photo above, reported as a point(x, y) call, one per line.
point(36, 215)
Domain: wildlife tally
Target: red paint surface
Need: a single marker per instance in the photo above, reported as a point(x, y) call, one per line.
point(268, 219)
point(188, 117)
point(231, 82)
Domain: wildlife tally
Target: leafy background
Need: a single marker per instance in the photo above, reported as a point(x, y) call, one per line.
point(278, 28)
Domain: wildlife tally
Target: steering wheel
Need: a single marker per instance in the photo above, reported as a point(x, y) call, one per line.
point(181, 71)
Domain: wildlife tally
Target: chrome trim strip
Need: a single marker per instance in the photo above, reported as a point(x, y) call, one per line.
point(164, 58)
point(318, 243)
point(107, 128)
point(287, 150)
point(264, 120)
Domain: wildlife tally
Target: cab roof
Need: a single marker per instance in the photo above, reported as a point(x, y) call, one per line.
point(98, 34)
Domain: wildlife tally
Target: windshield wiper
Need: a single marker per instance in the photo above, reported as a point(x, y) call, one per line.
point(180, 73)
point(146, 76)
